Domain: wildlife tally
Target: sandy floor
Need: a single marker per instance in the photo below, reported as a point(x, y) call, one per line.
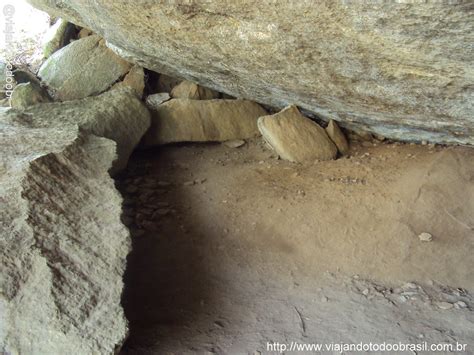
point(233, 248)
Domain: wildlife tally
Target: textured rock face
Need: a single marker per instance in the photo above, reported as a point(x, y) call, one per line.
point(62, 245)
point(295, 137)
point(83, 68)
point(186, 120)
point(402, 70)
point(190, 90)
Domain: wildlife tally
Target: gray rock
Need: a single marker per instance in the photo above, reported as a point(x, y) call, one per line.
point(117, 115)
point(83, 68)
point(153, 101)
point(184, 120)
point(62, 246)
point(425, 237)
point(295, 137)
point(28, 94)
point(189, 90)
point(336, 135)
point(397, 69)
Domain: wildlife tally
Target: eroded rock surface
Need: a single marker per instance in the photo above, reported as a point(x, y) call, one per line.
point(296, 138)
point(83, 68)
point(186, 120)
point(401, 70)
point(62, 244)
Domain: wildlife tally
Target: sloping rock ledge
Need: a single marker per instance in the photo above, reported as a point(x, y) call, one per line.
point(403, 70)
point(62, 244)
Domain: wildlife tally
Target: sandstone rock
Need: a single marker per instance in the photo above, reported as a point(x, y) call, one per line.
point(394, 68)
point(184, 120)
point(117, 115)
point(295, 137)
point(153, 101)
point(56, 37)
point(84, 32)
point(189, 90)
point(336, 135)
point(236, 143)
point(62, 245)
point(135, 79)
point(83, 68)
point(28, 94)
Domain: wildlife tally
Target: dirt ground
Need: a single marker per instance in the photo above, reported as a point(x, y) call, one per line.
point(233, 248)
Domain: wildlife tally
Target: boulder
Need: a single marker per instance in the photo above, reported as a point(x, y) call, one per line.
point(295, 137)
point(27, 94)
point(401, 69)
point(83, 68)
point(57, 36)
point(134, 79)
point(336, 135)
point(63, 247)
point(189, 90)
point(185, 120)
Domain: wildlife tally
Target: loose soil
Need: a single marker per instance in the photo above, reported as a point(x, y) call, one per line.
point(233, 248)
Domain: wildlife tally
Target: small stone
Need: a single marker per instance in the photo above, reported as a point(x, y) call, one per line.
point(235, 143)
point(153, 101)
point(460, 305)
point(425, 237)
point(365, 292)
point(444, 305)
point(324, 299)
point(27, 94)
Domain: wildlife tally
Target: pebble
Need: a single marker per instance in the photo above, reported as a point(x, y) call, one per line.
point(444, 305)
point(365, 292)
point(234, 143)
point(425, 237)
point(460, 304)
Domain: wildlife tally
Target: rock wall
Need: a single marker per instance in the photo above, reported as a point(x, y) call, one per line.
point(401, 69)
point(62, 244)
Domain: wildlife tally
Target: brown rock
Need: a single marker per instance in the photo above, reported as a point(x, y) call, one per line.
point(189, 90)
point(336, 135)
point(184, 120)
point(295, 137)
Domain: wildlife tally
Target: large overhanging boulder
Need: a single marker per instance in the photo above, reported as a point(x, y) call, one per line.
point(402, 70)
point(62, 244)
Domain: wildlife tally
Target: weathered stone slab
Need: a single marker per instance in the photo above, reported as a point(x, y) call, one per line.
point(400, 69)
point(185, 120)
point(62, 244)
point(295, 137)
point(83, 68)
